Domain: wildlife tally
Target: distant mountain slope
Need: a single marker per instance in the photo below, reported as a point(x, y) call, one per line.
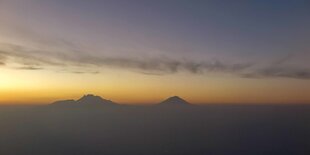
point(175, 100)
point(64, 102)
point(86, 100)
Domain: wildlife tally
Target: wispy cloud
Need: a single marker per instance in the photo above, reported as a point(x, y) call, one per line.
point(29, 68)
point(2, 59)
point(279, 72)
point(85, 72)
point(279, 68)
point(31, 59)
point(163, 65)
point(25, 55)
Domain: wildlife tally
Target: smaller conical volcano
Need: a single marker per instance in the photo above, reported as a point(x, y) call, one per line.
point(175, 100)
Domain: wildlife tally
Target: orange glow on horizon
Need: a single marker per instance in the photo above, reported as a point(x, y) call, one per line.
point(43, 87)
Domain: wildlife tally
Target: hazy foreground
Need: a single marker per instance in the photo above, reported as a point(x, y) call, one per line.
point(155, 130)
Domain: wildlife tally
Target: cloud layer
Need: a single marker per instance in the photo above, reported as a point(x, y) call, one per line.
point(31, 59)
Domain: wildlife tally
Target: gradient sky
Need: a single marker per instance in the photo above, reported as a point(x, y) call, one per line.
point(143, 51)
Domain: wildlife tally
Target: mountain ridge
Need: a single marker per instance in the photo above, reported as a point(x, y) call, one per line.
point(91, 100)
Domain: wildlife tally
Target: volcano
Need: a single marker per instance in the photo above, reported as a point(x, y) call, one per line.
point(86, 100)
point(175, 100)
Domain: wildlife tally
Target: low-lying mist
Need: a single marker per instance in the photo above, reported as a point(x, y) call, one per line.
point(155, 130)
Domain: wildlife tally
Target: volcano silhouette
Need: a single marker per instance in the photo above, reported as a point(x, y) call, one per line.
point(175, 100)
point(86, 100)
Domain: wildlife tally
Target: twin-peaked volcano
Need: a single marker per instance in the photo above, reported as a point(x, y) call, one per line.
point(86, 100)
point(91, 100)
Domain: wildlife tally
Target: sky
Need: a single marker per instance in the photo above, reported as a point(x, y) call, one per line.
point(143, 51)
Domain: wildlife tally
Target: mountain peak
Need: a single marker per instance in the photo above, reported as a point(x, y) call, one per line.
point(175, 100)
point(93, 99)
point(88, 99)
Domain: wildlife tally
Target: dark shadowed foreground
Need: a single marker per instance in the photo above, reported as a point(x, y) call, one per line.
point(155, 130)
